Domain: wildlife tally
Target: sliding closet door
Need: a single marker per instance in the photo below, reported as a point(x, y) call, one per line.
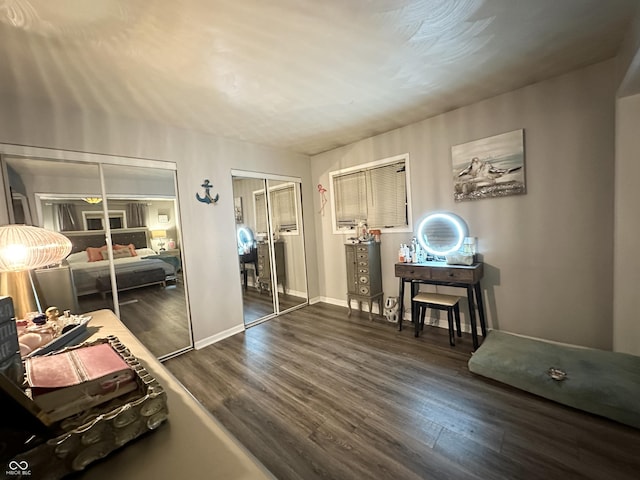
point(144, 227)
point(137, 210)
point(254, 248)
point(272, 264)
point(61, 196)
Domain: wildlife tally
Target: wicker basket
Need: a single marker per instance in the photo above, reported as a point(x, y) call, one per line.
point(100, 430)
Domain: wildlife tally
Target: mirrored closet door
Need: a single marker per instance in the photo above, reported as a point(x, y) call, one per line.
point(126, 253)
point(268, 213)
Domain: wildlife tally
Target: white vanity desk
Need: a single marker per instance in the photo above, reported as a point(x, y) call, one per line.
point(191, 444)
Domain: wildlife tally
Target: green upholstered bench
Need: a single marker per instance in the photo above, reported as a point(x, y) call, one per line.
point(597, 381)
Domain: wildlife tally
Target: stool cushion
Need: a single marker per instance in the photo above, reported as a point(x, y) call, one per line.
point(436, 299)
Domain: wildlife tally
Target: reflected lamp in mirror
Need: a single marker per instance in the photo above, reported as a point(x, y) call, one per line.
point(442, 233)
point(160, 236)
point(22, 249)
point(245, 240)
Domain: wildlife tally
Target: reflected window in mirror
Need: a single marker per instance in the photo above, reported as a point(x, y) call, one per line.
point(95, 220)
point(260, 209)
point(284, 208)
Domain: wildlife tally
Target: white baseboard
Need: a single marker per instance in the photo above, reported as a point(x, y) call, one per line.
point(440, 323)
point(218, 336)
point(294, 293)
point(343, 303)
point(315, 300)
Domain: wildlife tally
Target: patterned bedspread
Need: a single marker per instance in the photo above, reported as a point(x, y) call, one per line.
point(85, 274)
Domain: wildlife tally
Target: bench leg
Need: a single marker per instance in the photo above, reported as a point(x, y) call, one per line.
point(419, 313)
point(450, 321)
point(456, 311)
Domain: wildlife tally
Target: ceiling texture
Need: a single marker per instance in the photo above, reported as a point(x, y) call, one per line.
point(303, 75)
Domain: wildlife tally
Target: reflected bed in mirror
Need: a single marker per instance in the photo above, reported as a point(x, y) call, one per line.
point(67, 196)
point(135, 264)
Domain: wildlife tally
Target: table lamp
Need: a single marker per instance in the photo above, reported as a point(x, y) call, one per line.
point(22, 249)
point(159, 235)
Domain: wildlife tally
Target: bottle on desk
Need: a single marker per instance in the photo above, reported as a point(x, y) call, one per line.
point(401, 253)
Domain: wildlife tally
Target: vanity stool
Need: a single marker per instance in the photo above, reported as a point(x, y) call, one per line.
point(438, 301)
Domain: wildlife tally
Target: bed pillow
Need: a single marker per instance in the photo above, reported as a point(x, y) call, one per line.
point(131, 247)
point(95, 254)
point(143, 252)
point(117, 253)
point(78, 257)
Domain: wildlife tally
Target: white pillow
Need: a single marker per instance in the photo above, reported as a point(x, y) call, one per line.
point(78, 257)
point(143, 252)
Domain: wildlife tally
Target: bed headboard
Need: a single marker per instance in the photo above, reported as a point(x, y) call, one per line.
point(80, 242)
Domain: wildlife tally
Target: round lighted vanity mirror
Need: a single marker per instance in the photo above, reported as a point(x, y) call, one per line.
point(245, 239)
point(441, 233)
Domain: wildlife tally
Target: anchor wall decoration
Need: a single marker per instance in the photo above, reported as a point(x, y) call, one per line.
point(207, 196)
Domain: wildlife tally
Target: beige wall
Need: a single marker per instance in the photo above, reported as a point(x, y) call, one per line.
point(626, 326)
point(548, 254)
point(208, 231)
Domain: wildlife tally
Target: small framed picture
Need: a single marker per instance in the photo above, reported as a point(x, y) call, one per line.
point(163, 218)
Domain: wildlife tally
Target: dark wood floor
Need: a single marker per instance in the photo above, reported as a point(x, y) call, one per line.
point(316, 395)
point(156, 315)
point(257, 305)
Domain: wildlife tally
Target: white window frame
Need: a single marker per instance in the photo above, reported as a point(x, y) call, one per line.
point(258, 233)
point(295, 192)
point(95, 214)
point(369, 166)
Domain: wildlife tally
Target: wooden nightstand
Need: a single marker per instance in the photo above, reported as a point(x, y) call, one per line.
point(172, 252)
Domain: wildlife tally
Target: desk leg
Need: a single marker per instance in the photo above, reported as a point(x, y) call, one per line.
point(472, 317)
point(400, 303)
point(483, 321)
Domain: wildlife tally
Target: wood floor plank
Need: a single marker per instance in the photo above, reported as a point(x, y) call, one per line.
point(314, 394)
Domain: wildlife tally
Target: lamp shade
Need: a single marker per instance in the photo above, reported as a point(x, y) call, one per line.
point(158, 234)
point(23, 247)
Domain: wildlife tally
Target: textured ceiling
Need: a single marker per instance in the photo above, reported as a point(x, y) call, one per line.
point(304, 75)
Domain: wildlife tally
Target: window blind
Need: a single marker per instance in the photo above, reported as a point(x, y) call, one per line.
point(377, 195)
point(386, 202)
point(284, 209)
point(350, 192)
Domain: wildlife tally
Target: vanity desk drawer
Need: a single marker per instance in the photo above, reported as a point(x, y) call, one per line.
point(452, 275)
point(439, 272)
point(412, 271)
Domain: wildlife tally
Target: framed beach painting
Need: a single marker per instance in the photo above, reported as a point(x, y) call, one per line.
point(489, 167)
